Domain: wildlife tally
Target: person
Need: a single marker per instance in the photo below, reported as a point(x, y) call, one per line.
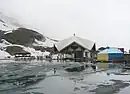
point(125, 63)
point(94, 67)
point(108, 73)
point(57, 58)
point(54, 70)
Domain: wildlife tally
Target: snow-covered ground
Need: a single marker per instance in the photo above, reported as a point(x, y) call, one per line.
point(8, 24)
point(36, 52)
point(33, 52)
point(4, 55)
point(47, 43)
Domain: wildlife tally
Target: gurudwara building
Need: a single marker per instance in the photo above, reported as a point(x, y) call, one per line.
point(78, 49)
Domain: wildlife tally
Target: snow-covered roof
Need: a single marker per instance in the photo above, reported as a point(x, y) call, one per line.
point(87, 44)
point(110, 50)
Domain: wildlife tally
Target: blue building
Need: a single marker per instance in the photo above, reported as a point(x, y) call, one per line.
point(109, 54)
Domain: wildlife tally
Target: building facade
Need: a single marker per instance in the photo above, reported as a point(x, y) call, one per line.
point(77, 48)
point(109, 54)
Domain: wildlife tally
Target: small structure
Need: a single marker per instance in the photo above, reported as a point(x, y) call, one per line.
point(22, 54)
point(109, 54)
point(127, 58)
point(80, 49)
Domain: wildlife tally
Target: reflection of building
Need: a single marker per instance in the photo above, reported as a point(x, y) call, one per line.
point(80, 49)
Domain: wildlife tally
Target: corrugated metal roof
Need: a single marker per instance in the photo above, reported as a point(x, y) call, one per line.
point(110, 50)
point(87, 44)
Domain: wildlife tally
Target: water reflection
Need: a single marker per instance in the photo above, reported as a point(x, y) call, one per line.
point(14, 76)
point(40, 78)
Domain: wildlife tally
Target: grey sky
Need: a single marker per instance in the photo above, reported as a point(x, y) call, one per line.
point(107, 22)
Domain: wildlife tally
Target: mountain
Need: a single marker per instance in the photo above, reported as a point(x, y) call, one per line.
point(8, 23)
point(23, 36)
point(14, 37)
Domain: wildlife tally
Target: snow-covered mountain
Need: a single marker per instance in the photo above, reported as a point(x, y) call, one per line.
point(48, 43)
point(13, 34)
point(8, 23)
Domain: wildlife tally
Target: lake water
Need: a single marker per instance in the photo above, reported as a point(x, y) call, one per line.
point(38, 77)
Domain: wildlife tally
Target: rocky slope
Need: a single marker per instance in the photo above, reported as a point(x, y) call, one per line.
point(15, 38)
point(23, 36)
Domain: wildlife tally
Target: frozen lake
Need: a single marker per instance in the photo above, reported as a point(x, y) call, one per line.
point(39, 78)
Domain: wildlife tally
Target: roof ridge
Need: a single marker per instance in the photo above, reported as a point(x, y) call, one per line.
point(88, 44)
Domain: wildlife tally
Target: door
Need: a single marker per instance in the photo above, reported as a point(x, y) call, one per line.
point(78, 56)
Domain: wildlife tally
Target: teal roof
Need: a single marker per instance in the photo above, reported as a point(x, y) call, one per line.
point(110, 50)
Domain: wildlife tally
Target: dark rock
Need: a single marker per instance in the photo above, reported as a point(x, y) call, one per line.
point(14, 49)
point(76, 88)
point(75, 69)
point(23, 36)
point(1, 34)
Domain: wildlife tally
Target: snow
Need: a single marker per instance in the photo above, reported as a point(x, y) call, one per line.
point(54, 56)
point(6, 27)
point(9, 20)
point(47, 43)
point(110, 50)
point(2, 27)
point(9, 31)
point(36, 53)
point(46, 53)
point(4, 54)
point(5, 42)
point(2, 45)
point(83, 42)
point(8, 23)
point(28, 49)
point(33, 51)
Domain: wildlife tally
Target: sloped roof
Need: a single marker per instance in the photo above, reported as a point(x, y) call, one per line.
point(87, 44)
point(110, 50)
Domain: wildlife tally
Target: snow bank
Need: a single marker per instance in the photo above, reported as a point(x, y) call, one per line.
point(47, 43)
point(9, 31)
point(5, 42)
point(3, 27)
point(4, 54)
point(54, 56)
point(36, 52)
point(2, 45)
point(7, 27)
point(33, 51)
point(28, 49)
point(8, 23)
point(46, 53)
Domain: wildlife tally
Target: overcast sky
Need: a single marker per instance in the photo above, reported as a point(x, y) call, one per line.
point(107, 22)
